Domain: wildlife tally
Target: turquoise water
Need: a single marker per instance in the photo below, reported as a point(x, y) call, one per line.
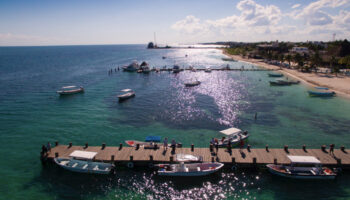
point(31, 114)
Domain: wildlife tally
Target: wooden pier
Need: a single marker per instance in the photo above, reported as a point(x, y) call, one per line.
point(223, 69)
point(248, 157)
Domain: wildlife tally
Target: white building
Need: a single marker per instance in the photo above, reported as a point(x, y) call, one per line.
point(300, 50)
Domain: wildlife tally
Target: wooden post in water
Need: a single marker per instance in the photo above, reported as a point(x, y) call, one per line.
point(112, 158)
point(103, 146)
point(233, 160)
point(286, 148)
point(131, 158)
point(192, 147)
point(254, 160)
point(120, 146)
point(267, 148)
point(86, 145)
point(137, 146)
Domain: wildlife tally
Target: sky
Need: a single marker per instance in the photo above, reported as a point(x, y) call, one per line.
point(85, 22)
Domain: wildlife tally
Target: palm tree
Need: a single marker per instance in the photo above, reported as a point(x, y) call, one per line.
point(289, 58)
point(333, 65)
point(315, 61)
point(299, 59)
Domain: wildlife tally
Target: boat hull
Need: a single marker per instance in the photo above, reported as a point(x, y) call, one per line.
point(84, 166)
point(70, 92)
point(321, 94)
point(196, 170)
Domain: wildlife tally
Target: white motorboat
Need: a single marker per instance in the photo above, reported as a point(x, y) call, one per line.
point(67, 90)
point(148, 145)
point(134, 66)
point(234, 135)
point(207, 69)
point(128, 93)
point(302, 167)
point(189, 169)
point(180, 157)
point(192, 84)
point(81, 161)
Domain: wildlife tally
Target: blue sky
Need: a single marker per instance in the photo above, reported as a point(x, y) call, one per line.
point(134, 22)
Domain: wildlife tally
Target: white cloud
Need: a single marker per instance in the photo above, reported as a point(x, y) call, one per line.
point(189, 25)
point(296, 6)
point(314, 13)
point(256, 22)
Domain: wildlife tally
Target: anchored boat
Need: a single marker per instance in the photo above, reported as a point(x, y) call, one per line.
point(67, 90)
point(321, 92)
point(128, 93)
point(234, 136)
point(275, 75)
point(191, 169)
point(302, 167)
point(134, 66)
point(192, 84)
point(81, 161)
point(207, 69)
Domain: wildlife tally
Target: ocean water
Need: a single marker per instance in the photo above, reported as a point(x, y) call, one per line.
point(31, 114)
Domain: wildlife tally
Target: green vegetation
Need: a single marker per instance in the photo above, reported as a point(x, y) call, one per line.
point(306, 56)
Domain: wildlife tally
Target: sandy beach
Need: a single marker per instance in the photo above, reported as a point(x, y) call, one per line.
point(340, 83)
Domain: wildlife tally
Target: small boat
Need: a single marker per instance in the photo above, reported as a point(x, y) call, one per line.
point(190, 169)
point(234, 135)
point(176, 69)
point(280, 82)
point(128, 93)
point(321, 88)
point(81, 161)
point(192, 84)
point(229, 59)
point(134, 66)
point(302, 167)
point(67, 90)
point(180, 157)
point(144, 67)
point(207, 69)
point(275, 75)
point(321, 93)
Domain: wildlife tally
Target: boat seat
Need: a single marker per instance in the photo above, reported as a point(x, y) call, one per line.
point(75, 164)
point(85, 166)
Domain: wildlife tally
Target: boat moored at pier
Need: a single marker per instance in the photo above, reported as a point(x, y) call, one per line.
point(81, 161)
point(191, 169)
point(302, 167)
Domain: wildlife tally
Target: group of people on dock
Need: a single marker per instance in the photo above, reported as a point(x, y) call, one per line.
point(45, 149)
point(166, 145)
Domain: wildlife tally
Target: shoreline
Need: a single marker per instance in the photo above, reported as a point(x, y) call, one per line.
point(336, 83)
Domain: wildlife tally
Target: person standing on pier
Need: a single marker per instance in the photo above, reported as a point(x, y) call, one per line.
point(165, 143)
point(48, 147)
